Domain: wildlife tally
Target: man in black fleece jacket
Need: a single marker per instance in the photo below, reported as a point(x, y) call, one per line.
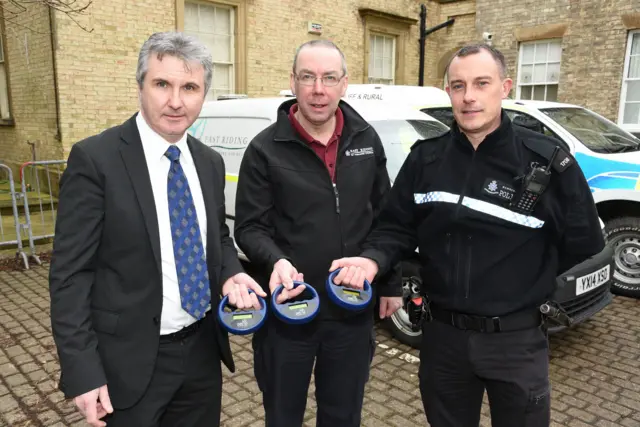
point(309, 190)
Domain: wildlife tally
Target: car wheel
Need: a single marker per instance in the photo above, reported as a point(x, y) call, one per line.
point(623, 236)
point(399, 323)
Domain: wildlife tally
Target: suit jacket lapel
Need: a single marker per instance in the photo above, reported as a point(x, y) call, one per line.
point(136, 165)
point(204, 168)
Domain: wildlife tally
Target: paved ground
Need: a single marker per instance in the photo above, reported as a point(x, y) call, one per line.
point(595, 370)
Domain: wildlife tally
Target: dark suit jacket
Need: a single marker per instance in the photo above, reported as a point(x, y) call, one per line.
point(105, 275)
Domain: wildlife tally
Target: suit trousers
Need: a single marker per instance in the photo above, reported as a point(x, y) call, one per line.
point(284, 357)
point(186, 386)
point(456, 366)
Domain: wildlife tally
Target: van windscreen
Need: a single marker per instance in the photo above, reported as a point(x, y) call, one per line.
point(594, 132)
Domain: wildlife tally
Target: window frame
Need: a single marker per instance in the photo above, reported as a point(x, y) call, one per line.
point(623, 89)
point(214, 89)
point(387, 24)
point(394, 56)
point(239, 34)
point(520, 85)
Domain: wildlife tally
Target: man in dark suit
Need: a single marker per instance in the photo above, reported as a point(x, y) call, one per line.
point(142, 256)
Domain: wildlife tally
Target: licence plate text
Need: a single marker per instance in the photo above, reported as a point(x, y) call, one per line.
point(592, 280)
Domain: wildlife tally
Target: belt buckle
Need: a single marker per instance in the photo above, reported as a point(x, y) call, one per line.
point(490, 324)
point(497, 327)
point(469, 322)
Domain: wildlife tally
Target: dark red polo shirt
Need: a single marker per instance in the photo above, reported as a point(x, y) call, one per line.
point(329, 153)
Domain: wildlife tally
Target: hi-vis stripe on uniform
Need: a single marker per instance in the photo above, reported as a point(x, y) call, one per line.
point(479, 206)
point(231, 177)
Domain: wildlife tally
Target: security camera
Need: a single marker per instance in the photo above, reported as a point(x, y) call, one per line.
point(486, 36)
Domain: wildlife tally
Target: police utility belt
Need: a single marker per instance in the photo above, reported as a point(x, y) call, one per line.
point(420, 310)
point(525, 319)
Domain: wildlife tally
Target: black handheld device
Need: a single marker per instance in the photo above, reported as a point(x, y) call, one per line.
point(534, 183)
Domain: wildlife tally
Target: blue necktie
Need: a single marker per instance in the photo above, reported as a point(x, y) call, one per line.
point(191, 263)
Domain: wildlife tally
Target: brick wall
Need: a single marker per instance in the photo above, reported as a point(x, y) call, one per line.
point(32, 96)
point(593, 46)
point(96, 70)
point(275, 28)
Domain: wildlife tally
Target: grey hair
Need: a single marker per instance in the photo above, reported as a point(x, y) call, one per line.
point(173, 43)
point(472, 49)
point(320, 43)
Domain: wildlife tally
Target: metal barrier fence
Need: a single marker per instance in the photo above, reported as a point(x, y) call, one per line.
point(10, 231)
point(39, 181)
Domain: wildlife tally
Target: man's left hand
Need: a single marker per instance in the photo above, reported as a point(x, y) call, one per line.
point(389, 305)
point(237, 288)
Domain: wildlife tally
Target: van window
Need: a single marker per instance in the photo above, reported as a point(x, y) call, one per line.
point(445, 115)
point(399, 135)
point(525, 120)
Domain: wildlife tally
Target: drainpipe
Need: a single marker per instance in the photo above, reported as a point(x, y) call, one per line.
point(424, 32)
point(58, 135)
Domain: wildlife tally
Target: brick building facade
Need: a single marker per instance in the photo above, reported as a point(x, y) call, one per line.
point(592, 55)
point(60, 83)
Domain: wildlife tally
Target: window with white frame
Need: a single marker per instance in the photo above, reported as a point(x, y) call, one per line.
point(629, 115)
point(213, 25)
point(5, 112)
point(382, 59)
point(539, 70)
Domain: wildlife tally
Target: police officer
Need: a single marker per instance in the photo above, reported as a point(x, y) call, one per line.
point(301, 202)
point(497, 212)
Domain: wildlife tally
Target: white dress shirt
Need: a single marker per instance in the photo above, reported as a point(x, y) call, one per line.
point(174, 317)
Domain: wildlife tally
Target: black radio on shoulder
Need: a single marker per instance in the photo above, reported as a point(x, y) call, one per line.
point(534, 183)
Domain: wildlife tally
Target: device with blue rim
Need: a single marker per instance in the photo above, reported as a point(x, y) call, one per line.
point(298, 310)
point(348, 298)
point(241, 321)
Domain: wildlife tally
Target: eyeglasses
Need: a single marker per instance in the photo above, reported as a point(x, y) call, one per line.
point(310, 79)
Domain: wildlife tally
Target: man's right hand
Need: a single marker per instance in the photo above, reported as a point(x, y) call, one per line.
point(285, 274)
point(354, 271)
point(95, 405)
